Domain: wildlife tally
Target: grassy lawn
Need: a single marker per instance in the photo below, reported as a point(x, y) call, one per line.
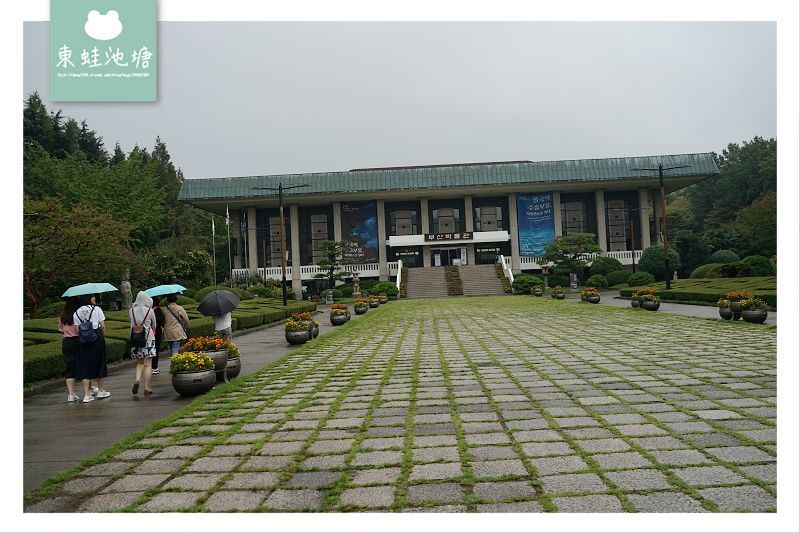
point(468, 405)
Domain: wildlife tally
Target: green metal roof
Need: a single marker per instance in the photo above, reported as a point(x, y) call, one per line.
point(449, 176)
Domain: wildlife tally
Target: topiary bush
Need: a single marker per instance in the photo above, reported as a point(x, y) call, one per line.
point(241, 293)
point(736, 270)
point(185, 300)
point(50, 310)
point(617, 277)
point(760, 265)
point(597, 281)
point(652, 261)
point(637, 279)
point(384, 287)
point(703, 270)
point(724, 256)
point(262, 292)
point(557, 279)
point(604, 265)
point(523, 282)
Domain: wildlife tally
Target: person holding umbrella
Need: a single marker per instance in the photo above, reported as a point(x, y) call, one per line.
point(91, 360)
point(143, 320)
point(176, 324)
point(69, 345)
point(219, 304)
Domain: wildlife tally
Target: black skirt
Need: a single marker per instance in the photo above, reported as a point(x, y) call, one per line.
point(70, 347)
point(92, 359)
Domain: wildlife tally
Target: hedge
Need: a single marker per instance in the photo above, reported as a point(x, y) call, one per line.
point(703, 270)
point(523, 283)
point(241, 293)
point(710, 290)
point(45, 361)
point(597, 281)
point(604, 265)
point(618, 276)
point(385, 287)
point(638, 279)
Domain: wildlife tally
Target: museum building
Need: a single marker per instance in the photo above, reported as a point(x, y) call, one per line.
point(439, 215)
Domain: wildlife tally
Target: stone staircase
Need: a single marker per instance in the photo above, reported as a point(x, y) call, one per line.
point(480, 280)
point(426, 283)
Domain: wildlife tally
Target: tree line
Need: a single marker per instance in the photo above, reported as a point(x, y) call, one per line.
point(90, 215)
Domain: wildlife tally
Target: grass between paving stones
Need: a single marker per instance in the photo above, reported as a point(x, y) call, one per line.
point(49, 486)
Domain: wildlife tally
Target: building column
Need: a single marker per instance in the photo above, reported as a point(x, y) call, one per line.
point(426, 228)
point(513, 225)
point(236, 235)
point(383, 267)
point(294, 224)
point(644, 220)
point(600, 208)
point(252, 239)
point(658, 216)
point(469, 222)
point(557, 213)
point(337, 221)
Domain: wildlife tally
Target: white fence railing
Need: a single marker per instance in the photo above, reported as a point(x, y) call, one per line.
point(506, 264)
point(309, 272)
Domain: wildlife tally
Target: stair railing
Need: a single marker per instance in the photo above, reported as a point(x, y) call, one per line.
point(506, 269)
point(399, 273)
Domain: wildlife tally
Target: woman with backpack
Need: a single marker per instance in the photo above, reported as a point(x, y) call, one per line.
point(91, 360)
point(176, 324)
point(143, 339)
point(159, 331)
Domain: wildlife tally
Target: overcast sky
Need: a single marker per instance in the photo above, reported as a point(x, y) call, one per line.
point(240, 99)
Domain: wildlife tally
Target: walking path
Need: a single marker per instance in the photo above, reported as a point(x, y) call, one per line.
point(58, 435)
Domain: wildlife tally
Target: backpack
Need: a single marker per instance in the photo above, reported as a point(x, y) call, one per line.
point(86, 332)
point(138, 333)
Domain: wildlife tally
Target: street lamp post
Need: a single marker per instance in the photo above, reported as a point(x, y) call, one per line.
point(661, 170)
point(280, 188)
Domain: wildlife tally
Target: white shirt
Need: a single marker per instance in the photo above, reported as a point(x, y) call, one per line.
point(82, 315)
point(222, 322)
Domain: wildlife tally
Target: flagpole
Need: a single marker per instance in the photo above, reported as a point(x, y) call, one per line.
point(230, 262)
point(214, 247)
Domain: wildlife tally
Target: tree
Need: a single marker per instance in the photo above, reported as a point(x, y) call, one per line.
point(757, 227)
point(334, 255)
point(67, 247)
point(692, 250)
point(567, 252)
point(652, 261)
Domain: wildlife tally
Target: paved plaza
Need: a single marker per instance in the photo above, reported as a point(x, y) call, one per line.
point(492, 404)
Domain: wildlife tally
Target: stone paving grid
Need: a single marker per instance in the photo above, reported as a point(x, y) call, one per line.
point(474, 405)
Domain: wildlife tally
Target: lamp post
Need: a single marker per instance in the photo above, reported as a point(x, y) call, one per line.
point(280, 188)
point(661, 168)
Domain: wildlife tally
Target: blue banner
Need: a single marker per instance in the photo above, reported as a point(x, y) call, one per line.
point(360, 227)
point(535, 222)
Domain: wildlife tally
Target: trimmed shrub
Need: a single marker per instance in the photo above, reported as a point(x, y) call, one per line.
point(241, 293)
point(384, 287)
point(703, 270)
point(638, 279)
point(652, 261)
point(724, 256)
point(557, 279)
point(597, 281)
point(189, 293)
point(604, 265)
point(346, 290)
point(736, 270)
point(617, 276)
point(248, 320)
point(44, 361)
point(263, 292)
point(185, 300)
point(51, 310)
point(524, 282)
point(760, 265)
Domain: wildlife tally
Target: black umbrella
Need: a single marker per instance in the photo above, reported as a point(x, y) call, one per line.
point(218, 303)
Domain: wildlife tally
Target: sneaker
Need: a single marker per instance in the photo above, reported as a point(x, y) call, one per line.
point(73, 398)
point(135, 388)
point(87, 399)
point(156, 371)
point(103, 394)
point(93, 391)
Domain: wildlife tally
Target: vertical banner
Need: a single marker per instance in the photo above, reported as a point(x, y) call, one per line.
point(360, 227)
point(536, 224)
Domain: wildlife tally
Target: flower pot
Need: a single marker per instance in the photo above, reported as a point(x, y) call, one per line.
point(537, 293)
point(315, 332)
point(754, 316)
point(593, 299)
point(583, 297)
point(233, 367)
point(297, 337)
point(361, 310)
point(193, 383)
point(559, 296)
point(220, 358)
point(725, 313)
point(383, 299)
point(635, 303)
point(338, 320)
point(373, 305)
point(651, 306)
point(737, 310)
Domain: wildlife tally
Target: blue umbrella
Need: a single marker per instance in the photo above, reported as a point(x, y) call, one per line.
point(88, 288)
point(164, 289)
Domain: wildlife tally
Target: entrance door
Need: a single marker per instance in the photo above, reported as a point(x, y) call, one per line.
point(448, 256)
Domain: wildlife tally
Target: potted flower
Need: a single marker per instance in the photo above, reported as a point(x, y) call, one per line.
point(297, 331)
point(339, 314)
point(536, 290)
point(234, 365)
point(635, 300)
point(361, 306)
point(590, 294)
point(214, 347)
point(754, 310)
point(651, 302)
point(383, 298)
point(644, 291)
point(374, 302)
point(724, 306)
point(558, 293)
point(313, 325)
point(735, 297)
point(192, 373)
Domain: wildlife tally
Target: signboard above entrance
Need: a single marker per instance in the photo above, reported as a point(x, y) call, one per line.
point(431, 237)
